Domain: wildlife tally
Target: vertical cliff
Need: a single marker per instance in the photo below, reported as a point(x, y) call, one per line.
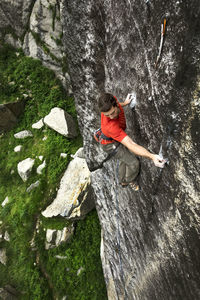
point(150, 239)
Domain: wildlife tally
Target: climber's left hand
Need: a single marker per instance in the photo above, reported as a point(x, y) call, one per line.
point(158, 161)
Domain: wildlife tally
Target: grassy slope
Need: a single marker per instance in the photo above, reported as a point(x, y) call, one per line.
point(23, 270)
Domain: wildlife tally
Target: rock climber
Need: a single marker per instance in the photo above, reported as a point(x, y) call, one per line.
point(113, 125)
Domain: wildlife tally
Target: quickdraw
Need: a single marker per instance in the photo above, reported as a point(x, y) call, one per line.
point(163, 29)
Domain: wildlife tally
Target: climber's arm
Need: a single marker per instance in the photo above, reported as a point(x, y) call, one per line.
point(126, 102)
point(141, 151)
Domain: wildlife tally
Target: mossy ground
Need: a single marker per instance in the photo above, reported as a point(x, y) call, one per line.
point(25, 269)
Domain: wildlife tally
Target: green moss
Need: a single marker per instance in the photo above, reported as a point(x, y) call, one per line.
point(20, 214)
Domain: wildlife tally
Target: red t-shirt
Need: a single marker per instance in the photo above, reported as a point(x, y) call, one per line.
point(114, 128)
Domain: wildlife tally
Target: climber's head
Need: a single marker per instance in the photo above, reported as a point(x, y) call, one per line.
point(108, 105)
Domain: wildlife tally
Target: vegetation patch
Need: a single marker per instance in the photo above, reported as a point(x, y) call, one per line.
point(37, 273)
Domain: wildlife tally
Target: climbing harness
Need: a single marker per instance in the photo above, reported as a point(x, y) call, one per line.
point(102, 138)
point(163, 29)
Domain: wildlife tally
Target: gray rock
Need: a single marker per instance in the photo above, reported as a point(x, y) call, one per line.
point(151, 239)
point(79, 153)
point(23, 134)
point(145, 240)
point(8, 293)
point(60, 257)
point(9, 114)
point(3, 257)
point(62, 122)
point(33, 186)
point(55, 238)
point(50, 235)
point(74, 192)
point(7, 236)
point(24, 168)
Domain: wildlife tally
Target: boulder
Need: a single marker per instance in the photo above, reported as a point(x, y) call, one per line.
point(3, 257)
point(74, 195)
point(23, 134)
point(24, 168)
point(62, 122)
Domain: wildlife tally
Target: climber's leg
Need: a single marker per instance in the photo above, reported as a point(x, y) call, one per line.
point(129, 165)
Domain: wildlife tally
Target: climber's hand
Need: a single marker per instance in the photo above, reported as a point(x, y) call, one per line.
point(128, 99)
point(158, 161)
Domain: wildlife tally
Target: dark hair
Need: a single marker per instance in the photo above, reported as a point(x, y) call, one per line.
point(106, 101)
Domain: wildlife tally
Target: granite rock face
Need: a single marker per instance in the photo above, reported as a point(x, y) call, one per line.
point(150, 239)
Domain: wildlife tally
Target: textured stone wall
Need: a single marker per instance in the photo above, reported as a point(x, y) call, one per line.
point(150, 239)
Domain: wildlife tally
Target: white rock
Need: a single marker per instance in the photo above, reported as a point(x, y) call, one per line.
point(5, 202)
point(49, 235)
point(12, 172)
point(7, 236)
point(25, 95)
point(60, 257)
point(63, 155)
point(33, 186)
point(56, 237)
point(64, 235)
point(44, 138)
point(80, 270)
point(3, 257)
point(18, 148)
point(38, 125)
point(41, 167)
point(24, 168)
point(62, 122)
point(74, 187)
point(23, 134)
point(41, 157)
